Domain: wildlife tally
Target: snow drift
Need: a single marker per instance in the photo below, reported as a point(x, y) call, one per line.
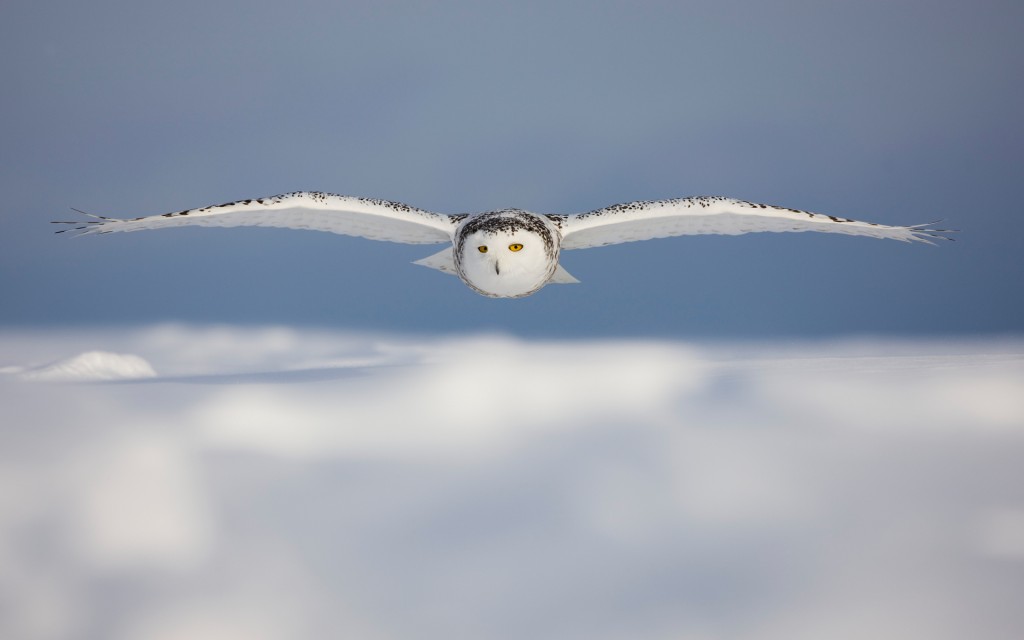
point(92, 365)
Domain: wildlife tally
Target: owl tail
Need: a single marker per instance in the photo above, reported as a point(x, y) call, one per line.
point(442, 261)
point(563, 277)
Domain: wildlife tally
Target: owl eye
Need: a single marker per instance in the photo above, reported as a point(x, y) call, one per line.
point(482, 248)
point(515, 247)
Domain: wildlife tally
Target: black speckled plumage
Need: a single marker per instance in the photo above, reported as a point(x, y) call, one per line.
point(508, 221)
point(391, 221)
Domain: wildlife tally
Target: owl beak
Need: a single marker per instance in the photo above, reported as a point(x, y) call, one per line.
point(497, 267)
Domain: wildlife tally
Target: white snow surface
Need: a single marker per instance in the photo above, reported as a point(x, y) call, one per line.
point(288, 483)
point(91, 365)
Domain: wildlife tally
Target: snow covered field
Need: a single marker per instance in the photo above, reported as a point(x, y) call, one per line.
point(236, 483)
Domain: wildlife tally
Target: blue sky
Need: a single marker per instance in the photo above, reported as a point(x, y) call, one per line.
point(895, 112)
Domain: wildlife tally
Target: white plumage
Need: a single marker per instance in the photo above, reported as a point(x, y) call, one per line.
point(507, 253)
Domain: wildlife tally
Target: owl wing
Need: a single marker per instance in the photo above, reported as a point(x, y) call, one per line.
point(346, 215)
point(645, 220)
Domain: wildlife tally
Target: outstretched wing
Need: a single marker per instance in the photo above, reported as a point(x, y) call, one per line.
point(364, 217)
point(645, 220)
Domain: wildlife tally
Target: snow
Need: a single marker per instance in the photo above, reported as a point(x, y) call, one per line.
point(280, 483)
point(92, 365)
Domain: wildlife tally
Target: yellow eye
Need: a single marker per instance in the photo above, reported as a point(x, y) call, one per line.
point(515, 247)
point(482, 248)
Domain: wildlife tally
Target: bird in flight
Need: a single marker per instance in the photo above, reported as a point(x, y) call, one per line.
point(507, 253)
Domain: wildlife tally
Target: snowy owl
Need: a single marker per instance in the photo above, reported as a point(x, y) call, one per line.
point(508, 253)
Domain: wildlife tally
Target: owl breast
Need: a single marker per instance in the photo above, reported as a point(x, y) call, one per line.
point(506, 254)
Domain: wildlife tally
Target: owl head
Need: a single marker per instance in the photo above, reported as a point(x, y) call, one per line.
point(507, 254)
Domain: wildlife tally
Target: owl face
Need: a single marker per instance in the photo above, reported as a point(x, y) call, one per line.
point(506, 254)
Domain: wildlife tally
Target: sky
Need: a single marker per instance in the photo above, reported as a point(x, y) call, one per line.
point(896, 112)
